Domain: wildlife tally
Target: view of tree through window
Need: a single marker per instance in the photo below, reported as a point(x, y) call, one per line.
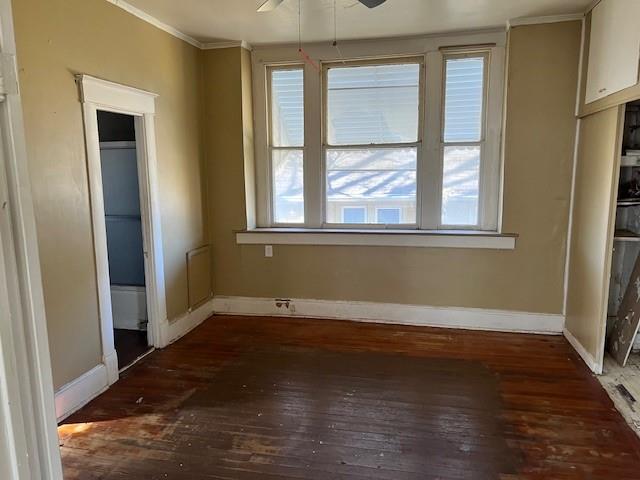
point(287, 142)
point(363, 162)
point(463, 124)
point(372, 137)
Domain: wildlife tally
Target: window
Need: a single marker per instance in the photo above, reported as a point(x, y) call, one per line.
point(463, 132)
point(354, 215)
point(404, 142)
point(388, 216)
point(286, 145)
point(372, 123)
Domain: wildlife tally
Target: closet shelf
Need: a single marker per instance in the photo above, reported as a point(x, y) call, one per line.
point(623, 235)
point(628, 203)
point(630, 161)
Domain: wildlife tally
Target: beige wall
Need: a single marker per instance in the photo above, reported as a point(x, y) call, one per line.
point(597, 171)
point(539, 142)
point(57, 39)
point(225, 127)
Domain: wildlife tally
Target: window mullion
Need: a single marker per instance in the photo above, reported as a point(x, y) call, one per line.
point(490, 172)
point(313, 152)
point(430, 174)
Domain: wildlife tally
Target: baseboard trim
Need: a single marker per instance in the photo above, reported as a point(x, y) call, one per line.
point(111, 363)
point(182, 325)
point(591, 362)
point(400, 314)
point(77, 393)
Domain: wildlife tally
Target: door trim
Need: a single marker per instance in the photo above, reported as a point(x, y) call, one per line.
point(28, 435)
point(97, 94)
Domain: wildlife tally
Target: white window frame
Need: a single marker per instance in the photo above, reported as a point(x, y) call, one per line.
point(489, 147)
point(432, 51)
point(399, 60)
point(271, 148)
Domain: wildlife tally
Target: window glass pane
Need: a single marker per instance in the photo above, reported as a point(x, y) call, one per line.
point(461, 185)
point(375, 178)
point(354, 214)
point(287, 108)
point(373, 104)
point(288, 186)
point(388, 215)
point(463, 99)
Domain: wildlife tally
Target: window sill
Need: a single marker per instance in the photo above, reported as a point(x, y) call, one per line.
point(380, 238)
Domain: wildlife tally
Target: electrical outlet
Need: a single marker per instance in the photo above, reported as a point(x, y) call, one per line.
point(268, 250)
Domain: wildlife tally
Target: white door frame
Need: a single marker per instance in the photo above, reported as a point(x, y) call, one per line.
point(97, 94)
point(28, 435)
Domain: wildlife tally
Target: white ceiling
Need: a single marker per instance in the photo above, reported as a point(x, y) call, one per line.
point(234, 20)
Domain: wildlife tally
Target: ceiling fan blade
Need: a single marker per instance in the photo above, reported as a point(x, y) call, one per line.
point(372, 3)
point(268, 5)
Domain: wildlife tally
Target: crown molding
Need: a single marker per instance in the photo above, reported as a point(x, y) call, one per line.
point(229, 44)
point(593, 5)
point(144, 16)
point(517, 22)
point(155, 22)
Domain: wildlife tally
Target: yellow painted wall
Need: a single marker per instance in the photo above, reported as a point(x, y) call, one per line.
point(543, 73)
point(205, 150)
point(57, 39)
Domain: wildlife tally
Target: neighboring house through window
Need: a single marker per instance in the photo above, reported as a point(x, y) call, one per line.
point(388, 216)
point(354, 215)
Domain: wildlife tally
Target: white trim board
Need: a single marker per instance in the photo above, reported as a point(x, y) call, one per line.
point(98, 94)
point(28, 437)
point(570, 17)
point(136, 12)
point(190, 320)
point(393, 238)
point(77, 393)
point(229, 44)
point(399, 314)
point(594, 366)
point(89, 385)
point(146, 17)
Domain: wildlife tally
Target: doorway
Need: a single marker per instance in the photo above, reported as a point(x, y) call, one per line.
point(125, 245)
point(119, 123)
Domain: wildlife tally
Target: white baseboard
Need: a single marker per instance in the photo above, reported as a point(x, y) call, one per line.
point(449, 317)
point(111, 364)
point(591, 362)
point(190, 320)
point(82, 390)
point(76, 394)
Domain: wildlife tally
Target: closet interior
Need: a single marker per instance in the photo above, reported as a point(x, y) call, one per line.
point(622, 359)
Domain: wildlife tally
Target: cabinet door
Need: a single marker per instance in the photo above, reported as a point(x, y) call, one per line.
point(614, 48)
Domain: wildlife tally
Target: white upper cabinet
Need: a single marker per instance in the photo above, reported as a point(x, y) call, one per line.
point(614, 51)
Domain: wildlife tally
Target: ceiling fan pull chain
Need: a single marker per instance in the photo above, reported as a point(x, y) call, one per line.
point(299, 26)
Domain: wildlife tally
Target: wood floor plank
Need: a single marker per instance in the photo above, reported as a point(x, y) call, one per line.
point(274, 398)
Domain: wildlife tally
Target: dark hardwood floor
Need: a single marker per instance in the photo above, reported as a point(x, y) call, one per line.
point(129, 344)
point(271, 398)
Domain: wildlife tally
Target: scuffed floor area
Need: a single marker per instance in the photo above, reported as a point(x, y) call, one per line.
point(273, 398)
point(623, 386)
